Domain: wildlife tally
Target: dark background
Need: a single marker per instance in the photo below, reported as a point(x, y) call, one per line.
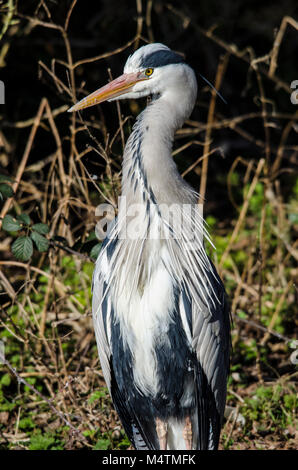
point(45, 299)
point(99, 27)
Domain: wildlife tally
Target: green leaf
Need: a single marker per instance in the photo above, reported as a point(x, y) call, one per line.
point(6, 190)
point(293, 217)
point(40, 241)
point(5, 380)
point(24, 218)
point(96, 396)
point(10, 224)
point(41, 228)
point(41, 442)
point(26, 423)
point(102, 444)
point(242, 314)
point(5, 178)
point(91, 237)
point(95, 251)
point(22, 248)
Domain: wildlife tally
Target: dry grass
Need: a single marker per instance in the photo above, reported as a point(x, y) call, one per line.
point(52, 392)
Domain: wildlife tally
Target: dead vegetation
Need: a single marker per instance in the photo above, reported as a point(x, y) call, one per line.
point(241, 157)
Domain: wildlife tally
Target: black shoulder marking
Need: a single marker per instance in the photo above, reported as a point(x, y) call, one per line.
point(161, 58)
point(187, 307)
point(104, 308)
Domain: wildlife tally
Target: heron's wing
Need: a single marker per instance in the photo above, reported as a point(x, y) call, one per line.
point(102, 304)
point(138, 429)
point(101, 310)
point(211, 343)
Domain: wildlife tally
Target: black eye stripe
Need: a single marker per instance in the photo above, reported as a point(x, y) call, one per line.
point(160, 58)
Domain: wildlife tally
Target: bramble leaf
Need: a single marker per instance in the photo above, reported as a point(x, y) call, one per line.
point(24, 218)
point(22, 248)
point(95, 251)
point(5, 178)
point(6, 190)
point(41, 228)
point(10, 224)
point(40, 241)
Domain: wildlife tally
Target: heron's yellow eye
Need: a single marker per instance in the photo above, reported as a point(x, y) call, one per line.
point(149, 72)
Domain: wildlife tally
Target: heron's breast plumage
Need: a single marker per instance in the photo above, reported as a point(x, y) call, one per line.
point(145, 315)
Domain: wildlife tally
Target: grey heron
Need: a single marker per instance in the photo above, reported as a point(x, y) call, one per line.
point(160, 311)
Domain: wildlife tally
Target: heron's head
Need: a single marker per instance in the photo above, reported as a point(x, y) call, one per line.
point(152, 70)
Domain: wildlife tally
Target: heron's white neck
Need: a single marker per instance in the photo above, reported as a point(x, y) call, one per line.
point(148, 164)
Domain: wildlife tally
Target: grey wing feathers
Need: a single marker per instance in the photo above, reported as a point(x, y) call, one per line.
point(211, 343)
point(102, 305)
point(212, 353)
point(100, 311)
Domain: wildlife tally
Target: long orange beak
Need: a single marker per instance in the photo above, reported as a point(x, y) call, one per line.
point(117, 87)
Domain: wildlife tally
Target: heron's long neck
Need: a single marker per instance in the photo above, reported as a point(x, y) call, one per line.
point(148, 167)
